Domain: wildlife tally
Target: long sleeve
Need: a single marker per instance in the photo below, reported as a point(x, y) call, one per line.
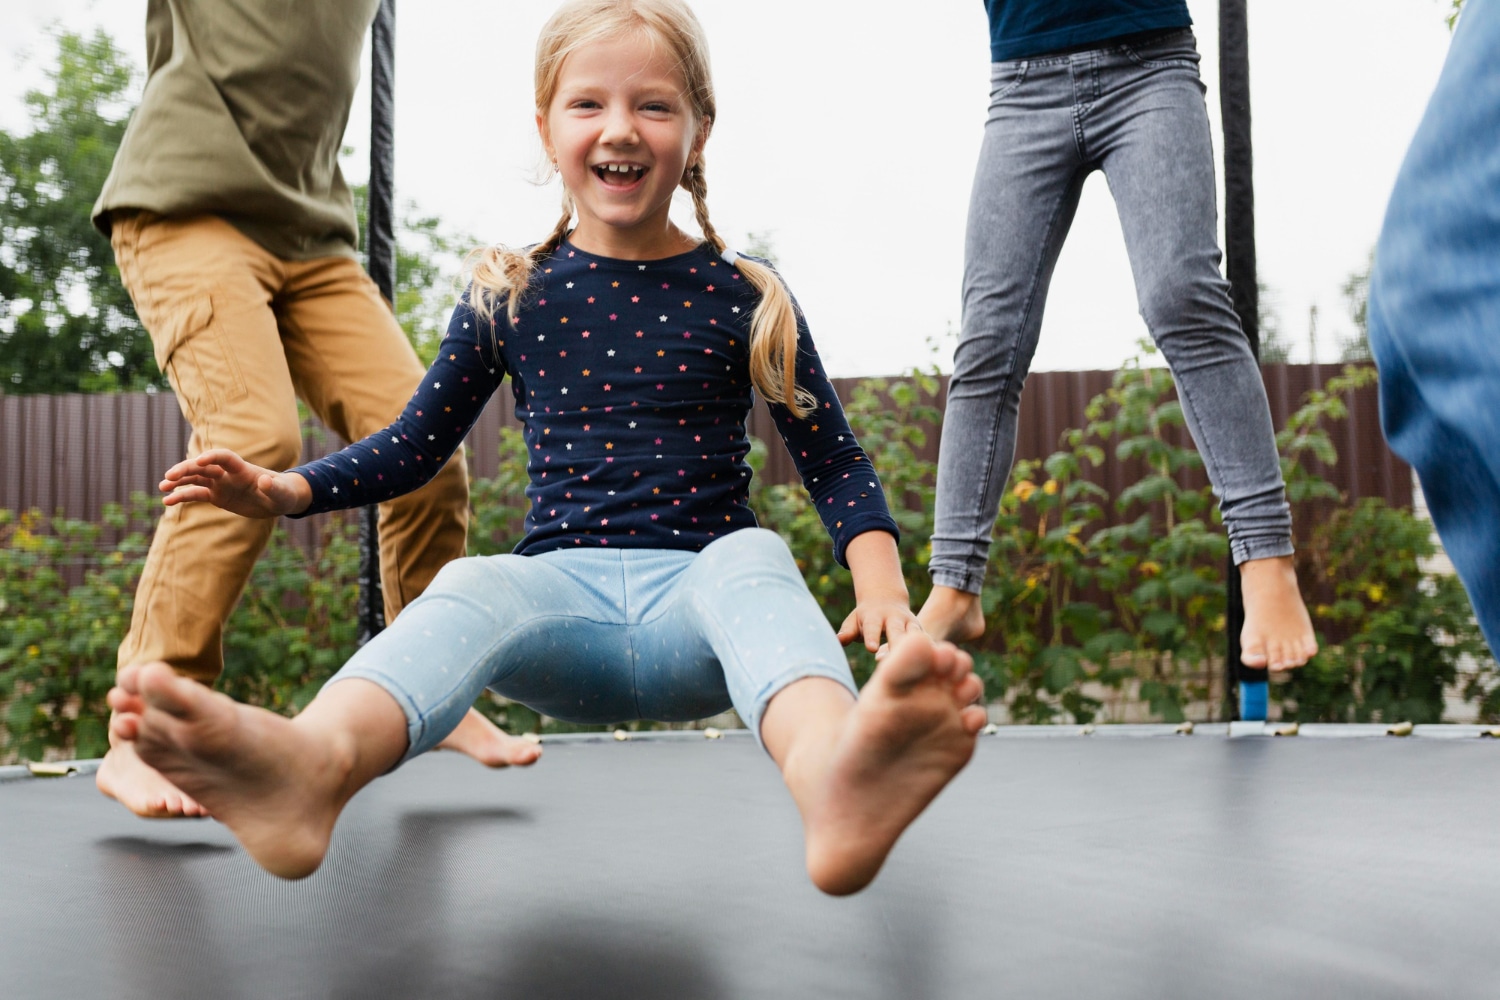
point(836, 471)
point(404, 456)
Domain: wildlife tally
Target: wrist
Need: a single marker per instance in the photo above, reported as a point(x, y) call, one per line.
point(299, 489)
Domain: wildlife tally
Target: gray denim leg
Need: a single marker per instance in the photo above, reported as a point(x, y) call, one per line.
point(1138, 113)
point(1025, 194)
point(1152, 138)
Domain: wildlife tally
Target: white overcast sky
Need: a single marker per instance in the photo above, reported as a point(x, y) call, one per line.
point(852, 141)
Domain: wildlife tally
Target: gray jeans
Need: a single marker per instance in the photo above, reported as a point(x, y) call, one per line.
point(1136, 112)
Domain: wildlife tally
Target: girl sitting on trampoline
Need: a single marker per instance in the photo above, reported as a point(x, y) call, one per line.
point(643, 588)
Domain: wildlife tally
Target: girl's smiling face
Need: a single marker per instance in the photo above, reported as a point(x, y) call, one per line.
point(622, 132)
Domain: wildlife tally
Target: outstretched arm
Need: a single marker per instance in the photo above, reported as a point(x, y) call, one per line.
point(222, 478)
point(881, 603)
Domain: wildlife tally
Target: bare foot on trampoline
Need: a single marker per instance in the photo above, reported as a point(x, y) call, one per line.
point(952, 615)
point(911, 731)
point(277, 788)
point(139, 787)
point(1278, 635)
point(481, 739)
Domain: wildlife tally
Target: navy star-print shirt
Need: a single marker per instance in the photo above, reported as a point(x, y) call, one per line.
point(631, 380)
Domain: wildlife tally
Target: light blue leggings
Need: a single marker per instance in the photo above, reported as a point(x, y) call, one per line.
point(606, 635)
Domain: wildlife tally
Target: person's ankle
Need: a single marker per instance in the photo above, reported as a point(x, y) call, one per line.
point(1267, 566)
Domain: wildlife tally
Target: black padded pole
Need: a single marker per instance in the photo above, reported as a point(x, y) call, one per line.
point(1239, 252)
point(380, 249)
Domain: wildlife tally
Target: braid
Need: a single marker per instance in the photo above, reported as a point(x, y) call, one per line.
point(696, 183)
point(554, 239)
point(501, 271)
point(773, 326)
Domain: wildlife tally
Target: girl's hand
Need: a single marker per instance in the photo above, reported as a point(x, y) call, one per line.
point(222, 478)
point(890, 616)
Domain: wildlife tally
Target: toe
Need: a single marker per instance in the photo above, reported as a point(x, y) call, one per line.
point(125, 725)
point(974, 718)
point(969, 690)
point(128, 678)
point(122, 700)
point(165, 691)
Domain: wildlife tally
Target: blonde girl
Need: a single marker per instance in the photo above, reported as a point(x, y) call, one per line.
point(642, 588)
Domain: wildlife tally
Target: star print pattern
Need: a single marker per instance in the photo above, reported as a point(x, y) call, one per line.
point(635, 438)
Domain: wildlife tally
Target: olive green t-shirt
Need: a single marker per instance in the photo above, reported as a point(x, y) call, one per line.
point(243, 116)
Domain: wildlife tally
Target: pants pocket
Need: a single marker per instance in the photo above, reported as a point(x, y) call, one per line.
point(196, 355)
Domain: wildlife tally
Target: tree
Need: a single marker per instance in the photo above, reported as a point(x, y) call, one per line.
point(66, 323)
point(1275, 348)
point(1356, 289)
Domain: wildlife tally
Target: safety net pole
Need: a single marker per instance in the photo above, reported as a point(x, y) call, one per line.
point(380, 251)
point(1245, 689)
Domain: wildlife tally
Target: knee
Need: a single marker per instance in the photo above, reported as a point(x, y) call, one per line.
point(1194, 322)
point(280, 447)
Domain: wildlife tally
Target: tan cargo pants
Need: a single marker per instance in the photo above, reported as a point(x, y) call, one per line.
point(241, 334)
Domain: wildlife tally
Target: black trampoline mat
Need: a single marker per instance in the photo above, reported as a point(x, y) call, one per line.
point(1173, 867)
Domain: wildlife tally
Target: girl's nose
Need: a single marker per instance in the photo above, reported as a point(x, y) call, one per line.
point(619, 129)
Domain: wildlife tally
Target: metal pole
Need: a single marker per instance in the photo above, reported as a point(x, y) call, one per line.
point(380, 248)
point(1245, 689)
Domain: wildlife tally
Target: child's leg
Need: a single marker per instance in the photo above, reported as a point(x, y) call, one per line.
point(1158, 158)
point(279, 784)
point(1026, 188)
point(862, 771)
point(861, 766)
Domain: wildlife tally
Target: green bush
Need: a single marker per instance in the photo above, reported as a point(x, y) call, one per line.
point(57, 647)
point(1077, 609)
point(294, 627)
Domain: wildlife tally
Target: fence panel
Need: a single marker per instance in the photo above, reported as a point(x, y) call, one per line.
point(73, 454)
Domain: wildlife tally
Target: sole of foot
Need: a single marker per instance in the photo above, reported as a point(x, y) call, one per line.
point(276, 789)
point(1278, 634)
point(482, 740)
point(139, 787)
point(911, 731)
point(950, 615)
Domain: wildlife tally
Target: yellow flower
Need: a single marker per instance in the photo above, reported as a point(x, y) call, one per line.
point(1149, 568)
point(1050, 488)
point(1024, 489)
point(1376, 592)
point(33, 650)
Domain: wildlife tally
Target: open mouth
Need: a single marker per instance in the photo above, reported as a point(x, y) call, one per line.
point(619, 174)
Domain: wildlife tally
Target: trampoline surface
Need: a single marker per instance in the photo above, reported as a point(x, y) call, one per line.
point(1194, 866)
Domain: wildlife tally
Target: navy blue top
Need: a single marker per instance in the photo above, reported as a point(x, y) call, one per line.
point(632, 382)
point(1020, 29)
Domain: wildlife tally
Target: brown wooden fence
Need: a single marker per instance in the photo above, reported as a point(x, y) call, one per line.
point(73, 454)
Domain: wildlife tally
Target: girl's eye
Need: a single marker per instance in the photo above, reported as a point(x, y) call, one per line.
point(658, 106)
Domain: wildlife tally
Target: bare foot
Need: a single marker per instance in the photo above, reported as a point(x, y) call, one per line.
point(952, 615)
point(487, 743)
point(139, 787)
point(911, 731)
point(1278, 635)
point(277, 788)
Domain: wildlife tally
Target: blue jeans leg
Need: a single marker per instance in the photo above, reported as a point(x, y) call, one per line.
point(1435, 309)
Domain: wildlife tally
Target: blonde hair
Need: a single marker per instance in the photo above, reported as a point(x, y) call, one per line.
point(502, 273)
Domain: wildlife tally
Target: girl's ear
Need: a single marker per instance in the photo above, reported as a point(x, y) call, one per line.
point(700, 141)
point(546, 136)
